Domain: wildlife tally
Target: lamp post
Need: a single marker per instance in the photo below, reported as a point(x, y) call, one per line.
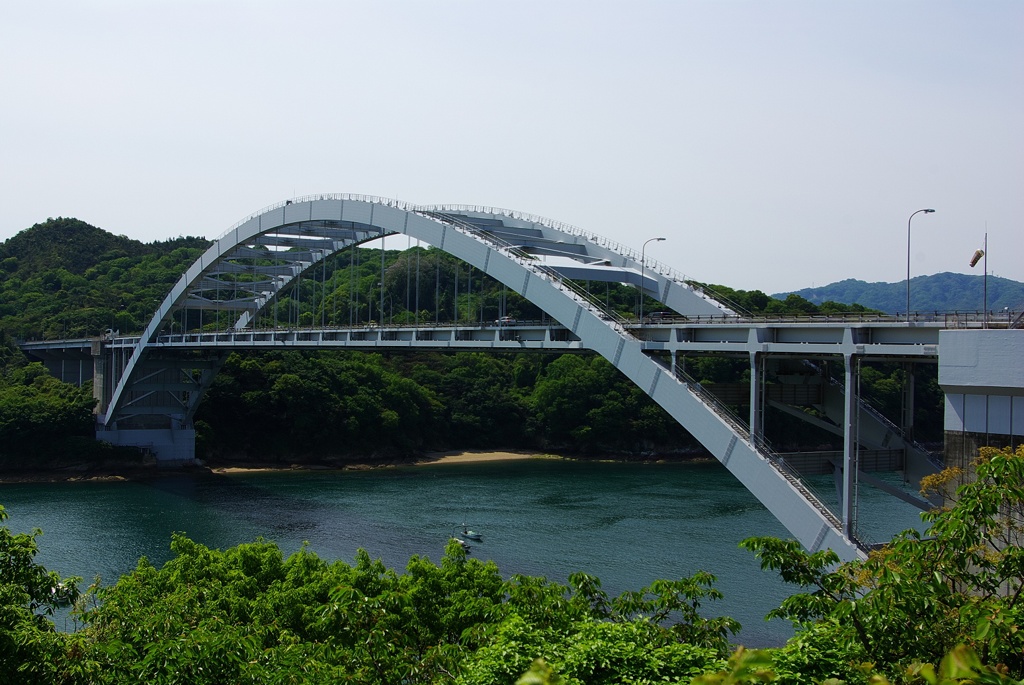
point(978, 254)
point(926, 211)
point(643, 273)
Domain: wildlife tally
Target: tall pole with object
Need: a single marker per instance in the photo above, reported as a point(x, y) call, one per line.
point(643, 276)
point(926, 211)
point(978, 254)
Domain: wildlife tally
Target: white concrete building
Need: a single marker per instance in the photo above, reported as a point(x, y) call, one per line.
point(982, 374)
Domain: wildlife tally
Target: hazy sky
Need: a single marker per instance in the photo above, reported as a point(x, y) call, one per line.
point(776, 145)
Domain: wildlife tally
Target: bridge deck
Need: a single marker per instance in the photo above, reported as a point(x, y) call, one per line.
point(807, 337)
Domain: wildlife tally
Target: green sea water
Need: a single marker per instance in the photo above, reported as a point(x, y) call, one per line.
point(626, 523)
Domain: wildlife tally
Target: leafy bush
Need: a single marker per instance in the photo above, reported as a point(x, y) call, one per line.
point(921, 596)
point(935, 609)
point(28, 593)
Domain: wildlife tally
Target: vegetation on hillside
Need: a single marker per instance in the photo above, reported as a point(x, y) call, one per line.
point(943, 607)
point(758, 303)
point(65, 278)
point(944, 292)
point(406, 404)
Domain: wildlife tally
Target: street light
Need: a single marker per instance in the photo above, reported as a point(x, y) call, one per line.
point(643, 275)
point(926, 211)
point(978, 254)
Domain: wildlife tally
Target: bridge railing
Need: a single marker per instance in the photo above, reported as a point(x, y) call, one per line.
point(876, 413)
point(1018, 322)
point(524, 259)
point(762, 446)
point(654, 265)
point(941, 319)
point(527, 261)
point(244, 335)
point(963, 318)
point(624, 250)
point(448, 209)
point(953, 319)
point(355, 197)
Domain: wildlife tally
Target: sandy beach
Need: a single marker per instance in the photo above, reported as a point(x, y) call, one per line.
point(477, 456)
point(128, 473)
point(429, 459)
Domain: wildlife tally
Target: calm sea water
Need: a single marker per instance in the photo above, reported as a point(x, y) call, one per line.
point(628, 524)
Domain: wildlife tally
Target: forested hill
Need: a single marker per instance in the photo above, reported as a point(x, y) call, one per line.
point(74, 245)
point(940, 292)
point(64, 278)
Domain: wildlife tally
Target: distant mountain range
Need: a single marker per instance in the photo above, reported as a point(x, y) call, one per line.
point(941, 292)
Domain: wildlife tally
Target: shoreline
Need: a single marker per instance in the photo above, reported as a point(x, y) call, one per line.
point(428, 459)
point(480, 456)
point(127, 473)
point(130, 473)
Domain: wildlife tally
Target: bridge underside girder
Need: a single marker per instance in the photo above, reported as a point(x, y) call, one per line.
point(166, 389)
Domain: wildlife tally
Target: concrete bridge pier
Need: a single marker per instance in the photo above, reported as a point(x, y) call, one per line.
point(757, 397)
point(100, 370)
point(908, 400)
point(170, 446)
point(850, 465)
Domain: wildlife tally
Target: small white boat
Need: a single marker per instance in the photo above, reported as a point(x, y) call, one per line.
point(471, 534)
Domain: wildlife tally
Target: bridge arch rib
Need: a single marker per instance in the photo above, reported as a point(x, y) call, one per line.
point(296, 236)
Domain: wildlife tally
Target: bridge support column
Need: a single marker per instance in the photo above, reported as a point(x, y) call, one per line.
point(100, 370)
point(170, 446)
point(757, 379)
point(850, 405)
point(908, 401)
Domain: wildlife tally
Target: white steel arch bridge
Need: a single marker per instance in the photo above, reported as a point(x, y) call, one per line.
point(149, 385)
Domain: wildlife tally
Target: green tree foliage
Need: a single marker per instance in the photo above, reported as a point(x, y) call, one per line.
point(65, 278)
point(883, 387)
point(343, 404)
point(584, 403)
point(758, 303)
point(28, 593)
point(941, 292)
point(483, 405)
point(250, 615)
point(324, 404)
point(920, 596)
point(65, 244)
point(937, 609)
point(40, 417)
